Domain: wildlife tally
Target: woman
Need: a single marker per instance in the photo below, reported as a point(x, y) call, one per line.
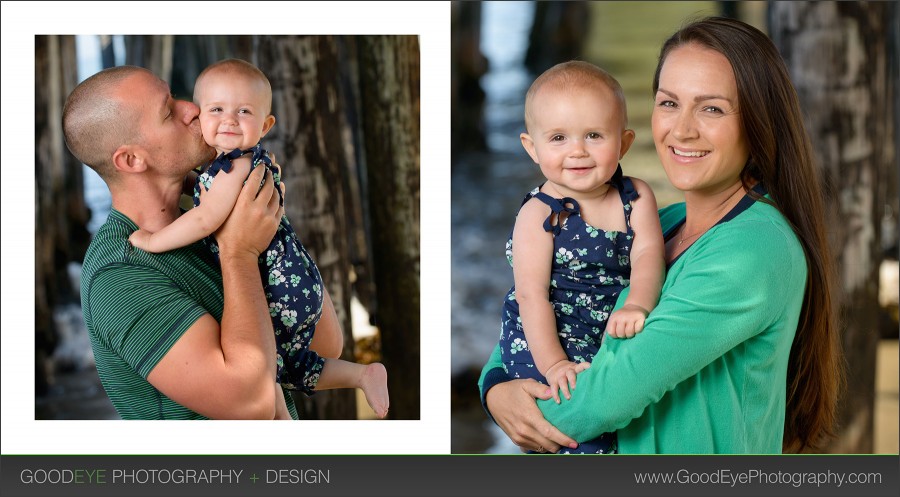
point(741, 355)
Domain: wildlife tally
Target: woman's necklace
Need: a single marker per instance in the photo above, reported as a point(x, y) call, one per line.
point(729, 204)
point(685, 238)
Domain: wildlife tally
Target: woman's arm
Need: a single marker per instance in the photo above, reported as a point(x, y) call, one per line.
point(511, 404)
point(648, 267)
point(202, 220)
point(732, 286)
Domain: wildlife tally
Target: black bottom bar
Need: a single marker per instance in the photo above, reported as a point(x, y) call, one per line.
point(447, 475)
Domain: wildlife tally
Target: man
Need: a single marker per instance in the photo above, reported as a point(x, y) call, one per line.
point(173, 337)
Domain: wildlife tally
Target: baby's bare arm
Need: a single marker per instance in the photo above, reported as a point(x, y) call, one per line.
point(204, 219)
point(647, 267)
point(532, 255)
point(532, 262)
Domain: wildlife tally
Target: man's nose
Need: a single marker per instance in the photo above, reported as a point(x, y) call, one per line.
point(189, 111)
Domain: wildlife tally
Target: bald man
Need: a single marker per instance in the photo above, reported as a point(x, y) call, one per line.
point(174, 337)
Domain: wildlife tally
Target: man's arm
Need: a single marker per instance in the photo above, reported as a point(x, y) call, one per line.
point(227, 371)
point(281, 410)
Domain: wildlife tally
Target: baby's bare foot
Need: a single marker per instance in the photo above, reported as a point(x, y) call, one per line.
point(374, 385)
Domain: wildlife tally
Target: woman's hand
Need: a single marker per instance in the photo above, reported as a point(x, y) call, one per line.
point(512, 404)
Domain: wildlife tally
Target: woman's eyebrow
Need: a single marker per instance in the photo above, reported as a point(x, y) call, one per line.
point(701, 98)
point(667, 92)
point(698, 98)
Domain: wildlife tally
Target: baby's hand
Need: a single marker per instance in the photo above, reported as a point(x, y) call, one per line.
point(561, 376)
point(627, 321)
point(141, 239)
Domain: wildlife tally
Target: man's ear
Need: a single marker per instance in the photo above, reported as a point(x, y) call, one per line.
point(129, 159)
point(267, 125)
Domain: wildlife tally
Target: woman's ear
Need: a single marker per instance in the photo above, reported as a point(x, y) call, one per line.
point(129, 159)
point(267, 125)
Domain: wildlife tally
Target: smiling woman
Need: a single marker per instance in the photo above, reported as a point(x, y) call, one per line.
point(697, 129)
point(699, 137)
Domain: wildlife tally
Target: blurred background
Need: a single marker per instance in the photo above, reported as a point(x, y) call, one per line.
point(347, 140)
point(843, 60)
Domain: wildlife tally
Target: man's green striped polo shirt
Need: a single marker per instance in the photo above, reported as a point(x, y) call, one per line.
point(136, 306)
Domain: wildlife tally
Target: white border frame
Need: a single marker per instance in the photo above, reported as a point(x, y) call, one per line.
point(22, 434)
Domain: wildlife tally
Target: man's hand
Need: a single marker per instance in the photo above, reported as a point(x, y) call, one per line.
point(512, 404)
point(254, 219)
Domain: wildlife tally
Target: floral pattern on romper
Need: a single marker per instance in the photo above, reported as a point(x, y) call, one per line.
point(292, 284)
point(590, 268)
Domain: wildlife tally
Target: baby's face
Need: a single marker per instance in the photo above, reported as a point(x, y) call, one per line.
point(233, 111)
point(577, 136)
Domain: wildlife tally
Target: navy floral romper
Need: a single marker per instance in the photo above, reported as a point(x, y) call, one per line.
point(590, 268)
point(291, 282)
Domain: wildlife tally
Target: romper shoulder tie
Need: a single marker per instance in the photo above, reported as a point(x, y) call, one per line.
point(224, 163)
point(557, 206)
point(627, 192)
point(256, 151)
point(623, 183)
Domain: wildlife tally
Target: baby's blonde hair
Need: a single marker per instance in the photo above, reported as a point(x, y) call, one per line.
point(241, 68)
point(574, 75)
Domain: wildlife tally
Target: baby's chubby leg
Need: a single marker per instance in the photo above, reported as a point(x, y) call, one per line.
point(328, 340)
point(371, 378)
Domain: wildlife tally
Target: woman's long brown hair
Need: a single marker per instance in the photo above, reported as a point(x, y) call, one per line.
point(781, 158)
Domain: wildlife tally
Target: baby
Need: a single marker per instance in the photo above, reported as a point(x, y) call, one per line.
point(581, 237)
point(235, 100)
